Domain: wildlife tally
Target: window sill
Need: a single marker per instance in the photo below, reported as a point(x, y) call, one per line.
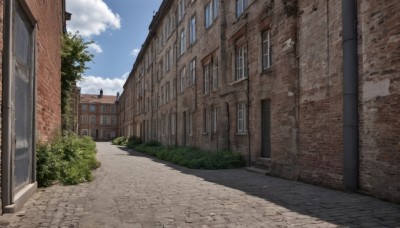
point(205, 133)
point(241, 133)
point(238, 81)
point(266, 71)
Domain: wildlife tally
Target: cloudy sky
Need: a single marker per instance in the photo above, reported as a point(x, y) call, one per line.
point(119, 28)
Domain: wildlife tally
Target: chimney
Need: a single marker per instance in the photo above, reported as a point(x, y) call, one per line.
point(101, 93)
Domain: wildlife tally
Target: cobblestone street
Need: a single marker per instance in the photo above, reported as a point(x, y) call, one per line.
point(132, 190)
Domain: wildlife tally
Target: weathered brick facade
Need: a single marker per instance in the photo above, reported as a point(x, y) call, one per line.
point(285, 113)
point(47, 19)
point(98, 116)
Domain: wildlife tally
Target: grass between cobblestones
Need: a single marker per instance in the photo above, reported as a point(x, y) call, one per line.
point(190, 157)
point(68, 159)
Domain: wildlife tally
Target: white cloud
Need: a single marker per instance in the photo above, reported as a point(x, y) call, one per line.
point(110, 86)
point(95, 47)
point(135, 52)
point(91, 17)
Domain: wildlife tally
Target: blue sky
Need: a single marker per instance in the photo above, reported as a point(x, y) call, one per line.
point(119, 28)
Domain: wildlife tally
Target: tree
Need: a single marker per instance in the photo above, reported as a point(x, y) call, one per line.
point(74, 56)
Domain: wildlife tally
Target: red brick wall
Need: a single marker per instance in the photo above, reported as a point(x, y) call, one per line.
point(49, 30)
point(320, 102)
point(379, 32)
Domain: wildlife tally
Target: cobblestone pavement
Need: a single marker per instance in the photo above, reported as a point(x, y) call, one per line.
point(132, 190)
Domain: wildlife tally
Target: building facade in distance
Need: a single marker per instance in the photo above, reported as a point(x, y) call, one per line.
point(98, 116)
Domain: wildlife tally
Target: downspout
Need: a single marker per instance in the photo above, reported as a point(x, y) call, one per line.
point(6, 109)
point(350, 96)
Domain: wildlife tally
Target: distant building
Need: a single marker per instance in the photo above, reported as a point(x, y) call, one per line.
point(98, 116)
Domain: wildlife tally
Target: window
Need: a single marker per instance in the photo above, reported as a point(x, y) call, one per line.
point(173, 88)
point(113, 109)
point(266, 50)
point(181, 9)
point(206, 119)
point(93, 133)
point(214, 120)
point(241, 63)
point(192, 30)
point(167, 93)
point(182, 48)
point(173, 121)
point(207, 78)
point(85, 119)
point(190, 124)
point(92, 108)
point(183, 79)
point(113, 120)
point(241, 6)
point(112, 134)
point(241, 118)
point(93, 120)
point(192, 72)
point(84, 132)
point(84, 107)
point(215, 75)
point(103, 108)
point(104, 120)
point(211, 13)
point(162, 95)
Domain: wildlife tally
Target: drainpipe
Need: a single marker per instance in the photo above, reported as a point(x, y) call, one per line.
point(350, 95)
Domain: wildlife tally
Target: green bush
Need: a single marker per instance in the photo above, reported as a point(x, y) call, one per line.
point(193, 158)
point(133, 141)
point(121, 141)
point(67, 159)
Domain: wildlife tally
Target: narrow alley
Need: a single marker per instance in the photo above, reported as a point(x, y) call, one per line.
point(133, 190)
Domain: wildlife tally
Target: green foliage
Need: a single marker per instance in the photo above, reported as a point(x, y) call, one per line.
point(74, 56)
point(193, 158)
point(133, 141)
point(67, 159)
point(121, 141)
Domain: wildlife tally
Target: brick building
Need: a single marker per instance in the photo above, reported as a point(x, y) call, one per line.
point(98, 116)
point(30, 85)
point(294, 86)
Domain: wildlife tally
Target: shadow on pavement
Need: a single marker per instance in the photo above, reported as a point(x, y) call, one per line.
point(340, 208)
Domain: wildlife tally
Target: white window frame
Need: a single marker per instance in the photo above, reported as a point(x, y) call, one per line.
point(182, 46)
point(182, 77)
point(241, 118)
point(266, 50)
point(207, 72)
point(84, 107)
point(84, 132)
point(192, 71)
point(91, 120)
point(181, 9)
point(241, 6)
point(241, 63)
point(92, 106)
point(211, 13)
point(85, 119)
point(206, 120)
point(192, 30)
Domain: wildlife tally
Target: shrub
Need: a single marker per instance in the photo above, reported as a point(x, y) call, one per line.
point(68, 159)
point(119, 141)
point(193, 158)
point(133, 141)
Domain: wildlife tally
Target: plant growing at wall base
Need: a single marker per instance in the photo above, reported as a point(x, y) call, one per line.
point(68, 159)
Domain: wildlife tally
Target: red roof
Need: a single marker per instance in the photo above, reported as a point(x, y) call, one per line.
point(92, 98)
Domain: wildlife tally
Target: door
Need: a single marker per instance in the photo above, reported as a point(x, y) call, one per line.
point(23, 79)
point(265, 128)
